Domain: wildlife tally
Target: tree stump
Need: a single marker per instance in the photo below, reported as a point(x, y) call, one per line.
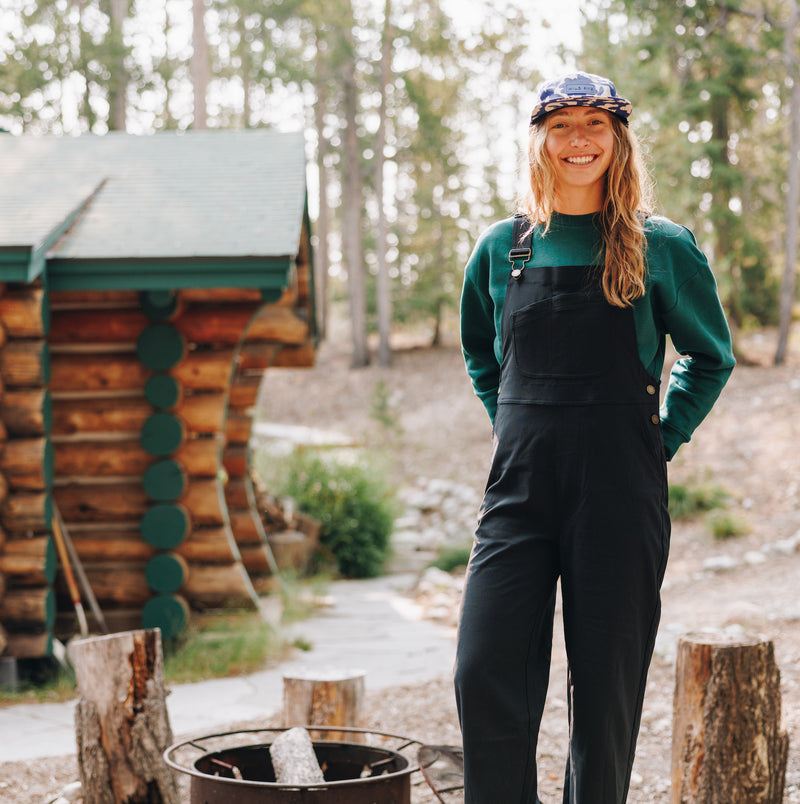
point(727, 747)
point(328, 697)
point(121, 722)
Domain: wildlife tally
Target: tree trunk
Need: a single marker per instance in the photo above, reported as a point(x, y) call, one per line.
point(793, 195)
point(727, 747)
point(327, 698)
point(352, 203)
point(118, 86)
point(121, 721)
point(322, 260)
point(200, 64)
point(383, 292)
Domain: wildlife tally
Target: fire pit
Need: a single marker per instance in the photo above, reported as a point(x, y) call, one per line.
point(355, 772)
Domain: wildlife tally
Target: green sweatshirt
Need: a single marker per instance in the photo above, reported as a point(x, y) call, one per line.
point(681, 301)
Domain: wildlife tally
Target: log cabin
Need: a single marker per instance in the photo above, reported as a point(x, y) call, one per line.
point(146, 284)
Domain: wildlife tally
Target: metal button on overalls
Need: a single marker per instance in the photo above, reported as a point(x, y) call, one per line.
point(577, 491)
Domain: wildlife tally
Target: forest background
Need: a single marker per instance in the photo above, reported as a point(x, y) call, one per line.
point(415, 113)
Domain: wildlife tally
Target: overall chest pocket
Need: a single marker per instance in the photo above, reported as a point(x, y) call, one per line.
point(565, 336)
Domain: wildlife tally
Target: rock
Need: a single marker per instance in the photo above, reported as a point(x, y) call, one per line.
point(70, 794)
point(720, 563)
point(294, 760)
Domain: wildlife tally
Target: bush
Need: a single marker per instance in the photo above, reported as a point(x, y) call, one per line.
point(352, 502)
point(453, 557)
point(689, 501)
point(726, 525)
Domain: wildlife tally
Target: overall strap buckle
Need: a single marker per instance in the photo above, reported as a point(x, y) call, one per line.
point(521, 244)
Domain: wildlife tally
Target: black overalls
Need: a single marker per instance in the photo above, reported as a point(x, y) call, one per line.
point(578, 491)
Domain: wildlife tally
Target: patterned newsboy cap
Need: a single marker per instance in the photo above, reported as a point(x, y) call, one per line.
point(580, 89)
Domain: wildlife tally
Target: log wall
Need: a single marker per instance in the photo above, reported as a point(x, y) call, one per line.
point(27, 551)
point(130, 414)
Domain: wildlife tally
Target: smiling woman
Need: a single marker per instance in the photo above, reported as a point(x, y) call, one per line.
point(564, 315)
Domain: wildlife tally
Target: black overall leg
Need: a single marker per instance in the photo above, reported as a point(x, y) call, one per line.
point(506, 628)
point(614, 552)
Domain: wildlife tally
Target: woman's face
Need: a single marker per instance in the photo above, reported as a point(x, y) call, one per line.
point(580, 144)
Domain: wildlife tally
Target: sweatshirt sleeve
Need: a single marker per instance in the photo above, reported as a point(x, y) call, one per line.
point(478, 329)
point(696, 324)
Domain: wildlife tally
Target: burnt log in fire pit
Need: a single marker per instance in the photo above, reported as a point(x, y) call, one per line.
point(355, 773)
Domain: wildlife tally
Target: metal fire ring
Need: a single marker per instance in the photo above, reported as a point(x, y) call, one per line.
point(196, 743)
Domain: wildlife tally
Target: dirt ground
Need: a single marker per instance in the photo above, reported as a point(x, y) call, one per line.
point(748, 446)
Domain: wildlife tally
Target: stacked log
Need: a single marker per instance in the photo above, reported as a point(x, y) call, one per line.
point(129, 413)
point(274, 331)
point(136, 455)
point(27, 551)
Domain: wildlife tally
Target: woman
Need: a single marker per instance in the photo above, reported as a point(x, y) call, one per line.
point(563, 332)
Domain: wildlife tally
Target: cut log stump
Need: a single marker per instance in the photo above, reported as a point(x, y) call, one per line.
point(325, 697)
point(121, 722)
point(727, 746)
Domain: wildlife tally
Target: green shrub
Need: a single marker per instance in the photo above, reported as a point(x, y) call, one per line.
point(383, 409)
point(453, 557)
point(351, 501)
point(726, 525)
point(689, 501)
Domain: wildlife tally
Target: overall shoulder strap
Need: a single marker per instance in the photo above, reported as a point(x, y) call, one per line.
point(521, 244)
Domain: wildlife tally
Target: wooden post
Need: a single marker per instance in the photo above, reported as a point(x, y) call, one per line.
point(121, 722)
point(727, 747)
point(327, 697)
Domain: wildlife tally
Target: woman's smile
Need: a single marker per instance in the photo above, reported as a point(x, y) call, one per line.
point(586, 159)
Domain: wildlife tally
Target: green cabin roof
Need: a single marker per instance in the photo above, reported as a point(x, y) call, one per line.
point(161, 211)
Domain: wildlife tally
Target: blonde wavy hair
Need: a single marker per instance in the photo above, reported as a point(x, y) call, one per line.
point(627, 204)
